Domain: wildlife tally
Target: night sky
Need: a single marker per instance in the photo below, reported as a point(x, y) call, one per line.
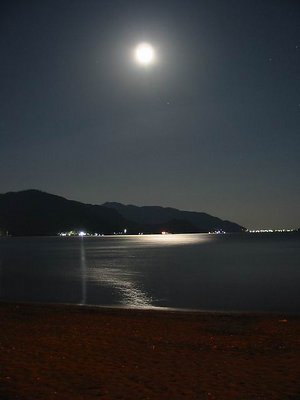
point(213, 125)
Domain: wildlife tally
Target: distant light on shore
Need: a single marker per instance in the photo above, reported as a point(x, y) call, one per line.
point(79, 233)
point(270, 230)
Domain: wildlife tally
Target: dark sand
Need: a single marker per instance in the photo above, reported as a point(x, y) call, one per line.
point(72, 352)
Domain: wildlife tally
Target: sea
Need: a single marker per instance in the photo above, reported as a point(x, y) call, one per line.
point(226, 272)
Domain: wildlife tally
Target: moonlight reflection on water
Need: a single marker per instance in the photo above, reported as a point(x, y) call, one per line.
point(122, 282)
point(117, 275)
point(209, 272)
point(175, 240)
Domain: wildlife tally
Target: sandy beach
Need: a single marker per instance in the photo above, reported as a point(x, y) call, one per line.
point(72, 352)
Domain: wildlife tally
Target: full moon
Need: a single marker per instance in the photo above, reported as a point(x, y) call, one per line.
point(144, 54)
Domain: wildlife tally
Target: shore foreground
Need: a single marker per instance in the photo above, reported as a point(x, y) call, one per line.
point(72, 352)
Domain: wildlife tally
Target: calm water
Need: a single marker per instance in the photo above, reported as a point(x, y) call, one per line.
point(208, 272)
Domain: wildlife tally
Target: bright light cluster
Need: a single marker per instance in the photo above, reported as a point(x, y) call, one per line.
point(270, 230)
point(80, 233)
point(84, 233)
point(217, 232)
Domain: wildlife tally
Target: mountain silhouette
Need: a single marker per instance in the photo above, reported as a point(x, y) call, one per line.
point(173, 219)
point(33, 212)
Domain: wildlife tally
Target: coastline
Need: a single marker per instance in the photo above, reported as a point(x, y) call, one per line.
point(76, 352)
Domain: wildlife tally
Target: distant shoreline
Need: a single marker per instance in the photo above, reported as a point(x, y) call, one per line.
point(250, 233)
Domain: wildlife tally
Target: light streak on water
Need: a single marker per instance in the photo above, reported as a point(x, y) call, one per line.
point(83, 270)
point(123, 282)
point(174, 240)
point(105, 270)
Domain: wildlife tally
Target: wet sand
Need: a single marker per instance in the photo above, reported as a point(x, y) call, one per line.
point(72, 352)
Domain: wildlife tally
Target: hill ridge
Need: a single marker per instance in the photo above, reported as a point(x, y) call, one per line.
point(35, 212)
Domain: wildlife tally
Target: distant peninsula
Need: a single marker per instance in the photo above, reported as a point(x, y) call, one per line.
point(33, 212)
